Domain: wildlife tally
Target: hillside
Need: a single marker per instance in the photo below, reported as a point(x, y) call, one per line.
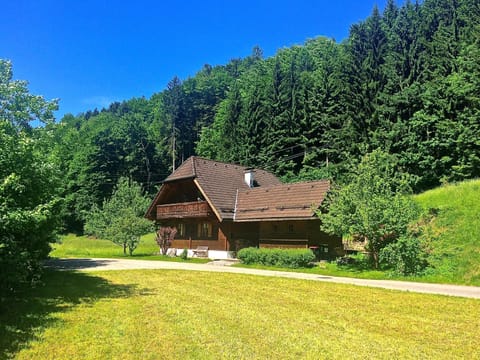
point(405, 81)
point(454, 232)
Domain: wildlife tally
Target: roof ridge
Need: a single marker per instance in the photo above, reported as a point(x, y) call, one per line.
point(195, 159)
point(308, 182)
point(218, 161)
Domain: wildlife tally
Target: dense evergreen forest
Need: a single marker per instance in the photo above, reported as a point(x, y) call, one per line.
point(406, 81)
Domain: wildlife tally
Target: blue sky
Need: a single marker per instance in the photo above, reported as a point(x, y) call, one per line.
point(89, 53)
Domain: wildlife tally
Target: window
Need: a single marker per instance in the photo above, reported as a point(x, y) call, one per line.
point(290, 228)
point(323, 248)
point(181, 230)
point(204, 230)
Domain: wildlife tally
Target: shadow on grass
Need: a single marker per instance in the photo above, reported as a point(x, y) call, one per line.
point(28, 313)
point(75, 264)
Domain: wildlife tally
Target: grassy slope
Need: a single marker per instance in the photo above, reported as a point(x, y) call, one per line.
point(456, 231)
point(190, 315)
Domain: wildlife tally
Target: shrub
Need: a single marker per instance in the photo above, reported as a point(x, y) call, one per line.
point(184, 254)
point(291, 258)
point(248, 256)
point(405, 256)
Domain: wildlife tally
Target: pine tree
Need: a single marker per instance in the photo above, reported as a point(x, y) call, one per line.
point(173, 100)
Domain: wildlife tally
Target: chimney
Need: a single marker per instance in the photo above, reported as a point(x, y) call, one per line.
point(249, 176)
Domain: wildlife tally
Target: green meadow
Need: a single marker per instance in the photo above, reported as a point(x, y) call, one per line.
point(83, 246)
point(73, 246)
point(193, 315)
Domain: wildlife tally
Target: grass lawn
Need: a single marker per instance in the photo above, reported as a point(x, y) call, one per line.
point(73, 246)
point(331, 269)
point(190, 315)
point(83, 246)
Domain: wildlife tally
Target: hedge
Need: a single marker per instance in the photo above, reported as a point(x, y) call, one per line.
point(291, 258)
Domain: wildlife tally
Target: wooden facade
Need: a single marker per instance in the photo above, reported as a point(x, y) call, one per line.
point(230, 236)
point(195, 221)
point(196, 209)
point(298, 234)
point(194, 232)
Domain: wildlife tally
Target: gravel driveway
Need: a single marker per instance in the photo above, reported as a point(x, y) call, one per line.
point(93, 264)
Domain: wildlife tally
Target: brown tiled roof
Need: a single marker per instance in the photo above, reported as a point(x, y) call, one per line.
point(269, 200)
point(219, 181)
point(286, 201)
point(185, 170)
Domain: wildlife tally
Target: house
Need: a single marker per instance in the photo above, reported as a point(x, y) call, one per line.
point(226, 207)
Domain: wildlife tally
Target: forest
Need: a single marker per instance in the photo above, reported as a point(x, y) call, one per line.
point(406, 81)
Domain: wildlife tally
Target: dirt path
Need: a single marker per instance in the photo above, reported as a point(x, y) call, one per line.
point(92, 264)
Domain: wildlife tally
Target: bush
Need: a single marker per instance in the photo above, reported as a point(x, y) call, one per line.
point(184, 254)
point(248, 256)
point(291, 258)
point(405, 256)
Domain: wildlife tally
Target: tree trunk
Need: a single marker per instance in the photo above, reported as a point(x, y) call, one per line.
point(375, 259)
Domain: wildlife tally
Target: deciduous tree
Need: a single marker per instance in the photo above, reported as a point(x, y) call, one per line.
point(29, 203)
point(120, 219)
point(372, 207)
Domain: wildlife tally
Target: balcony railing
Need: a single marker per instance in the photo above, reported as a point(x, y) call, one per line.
point(196, 209)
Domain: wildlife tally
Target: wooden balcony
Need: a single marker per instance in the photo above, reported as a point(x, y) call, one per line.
point(196, 209)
